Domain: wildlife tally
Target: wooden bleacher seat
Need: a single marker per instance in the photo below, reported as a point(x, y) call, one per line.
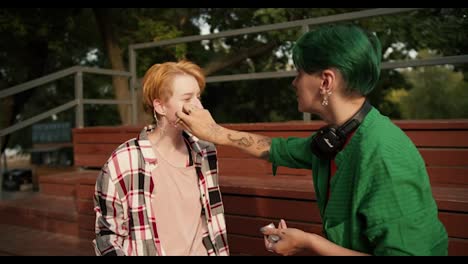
point(253, 197)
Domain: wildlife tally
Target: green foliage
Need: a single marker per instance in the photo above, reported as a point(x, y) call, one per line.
point(437, 93)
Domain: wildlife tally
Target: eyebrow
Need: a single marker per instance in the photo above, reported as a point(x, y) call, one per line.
point(189, 94)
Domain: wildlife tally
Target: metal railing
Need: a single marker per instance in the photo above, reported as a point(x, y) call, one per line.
point(78, 102)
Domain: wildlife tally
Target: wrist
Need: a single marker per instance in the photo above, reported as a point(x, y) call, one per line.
point(308, 241)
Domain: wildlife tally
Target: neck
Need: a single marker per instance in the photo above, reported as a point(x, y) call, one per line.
point(342, 109)
point(167, 138)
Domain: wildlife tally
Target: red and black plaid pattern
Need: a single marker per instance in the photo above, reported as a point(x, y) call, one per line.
point(125, 221)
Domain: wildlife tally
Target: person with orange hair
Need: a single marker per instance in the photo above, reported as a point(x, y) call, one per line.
point(158, 193)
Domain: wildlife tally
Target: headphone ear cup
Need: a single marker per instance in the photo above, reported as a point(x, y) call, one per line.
point(327, 142)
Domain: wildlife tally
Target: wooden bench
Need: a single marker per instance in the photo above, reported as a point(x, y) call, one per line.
point(253, 197)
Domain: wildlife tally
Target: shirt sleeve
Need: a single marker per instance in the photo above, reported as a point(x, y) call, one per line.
point(291, 152)
point(110, 228)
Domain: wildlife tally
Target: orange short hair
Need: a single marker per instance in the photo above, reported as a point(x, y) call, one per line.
point(158, 79)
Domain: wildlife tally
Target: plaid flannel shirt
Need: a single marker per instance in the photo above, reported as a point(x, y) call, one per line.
point(125, 221)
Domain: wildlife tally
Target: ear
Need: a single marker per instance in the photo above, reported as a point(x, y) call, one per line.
point(159, 107)
point(328, 81)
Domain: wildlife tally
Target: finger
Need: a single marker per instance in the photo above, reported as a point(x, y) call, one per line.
point(282, 224)
point(270, 231)
point(182, 116)
point(268, 244)
point(188, 108)
point(265, 240)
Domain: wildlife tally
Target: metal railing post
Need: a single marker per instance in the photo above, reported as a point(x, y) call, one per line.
point(133, 79)
point(79, 119)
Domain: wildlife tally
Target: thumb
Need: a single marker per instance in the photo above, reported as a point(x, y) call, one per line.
point(182, 116)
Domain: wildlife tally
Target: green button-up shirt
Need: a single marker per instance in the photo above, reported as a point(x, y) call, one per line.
point(381, 201)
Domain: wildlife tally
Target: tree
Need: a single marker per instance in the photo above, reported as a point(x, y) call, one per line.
point(37, 41)
point(437, 92)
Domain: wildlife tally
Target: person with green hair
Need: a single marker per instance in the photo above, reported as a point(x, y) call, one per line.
point(371, 183)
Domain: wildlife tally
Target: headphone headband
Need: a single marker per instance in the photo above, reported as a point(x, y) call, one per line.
point(329, 140)
point(354, 122)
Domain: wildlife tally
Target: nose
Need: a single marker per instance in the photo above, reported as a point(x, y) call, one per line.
point(293, 84)
point(293, 87)
point(197, 103)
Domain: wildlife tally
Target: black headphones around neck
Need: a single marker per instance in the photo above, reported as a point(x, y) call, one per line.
point(329, 140)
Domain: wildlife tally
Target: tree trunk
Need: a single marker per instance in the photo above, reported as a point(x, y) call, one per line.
point(120, 84)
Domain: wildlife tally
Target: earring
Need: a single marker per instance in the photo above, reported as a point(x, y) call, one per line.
point(325, 98)
point(156, 121)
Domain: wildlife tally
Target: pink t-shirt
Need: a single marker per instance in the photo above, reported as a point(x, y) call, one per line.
point(177, 207)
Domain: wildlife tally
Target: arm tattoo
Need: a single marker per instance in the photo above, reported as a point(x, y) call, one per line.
point(242, 141)
point(263, 143)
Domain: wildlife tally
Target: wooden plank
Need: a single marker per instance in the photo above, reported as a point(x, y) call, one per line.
point(85, 192)
point(458, 247)
point(297, 210)
point(421, 138)
point(278, 186)
point(86, 234)
point(434, 124)
point(455, 224)
point(85, 207)
point(86, 222)
point(443, 138)
point(107, 129)
point(91, 160)
point(451, 198)
point(239, 167)
point(448, 175)
point(106, 149)
point(248, 246)
point(250, 226)
point(57, 189)
point(252, 246)
point(445, 156)
point(89, 138)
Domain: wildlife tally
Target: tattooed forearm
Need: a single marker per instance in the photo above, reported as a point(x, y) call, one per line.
point(244, 141)
point(263, 143)
point(214, 131)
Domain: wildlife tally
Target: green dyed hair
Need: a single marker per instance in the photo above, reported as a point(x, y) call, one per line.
point(355, 53)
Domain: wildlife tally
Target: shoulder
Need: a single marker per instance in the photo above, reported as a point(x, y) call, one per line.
point(123, 155)
point(378, 131)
